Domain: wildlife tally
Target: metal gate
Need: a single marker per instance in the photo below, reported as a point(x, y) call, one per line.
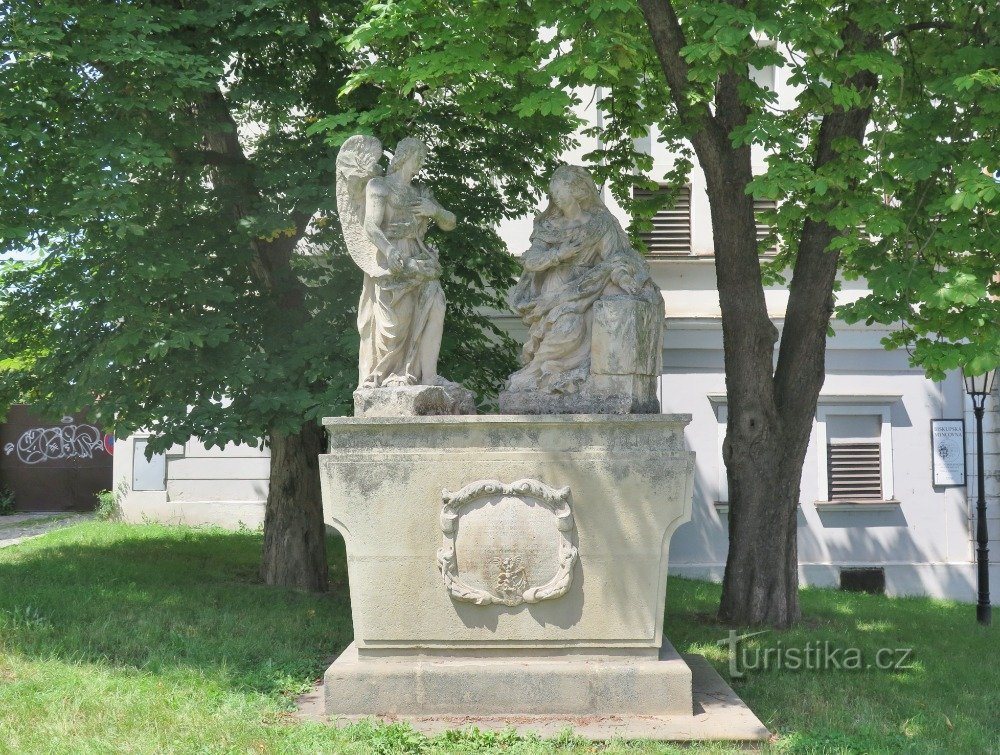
point(54, 466)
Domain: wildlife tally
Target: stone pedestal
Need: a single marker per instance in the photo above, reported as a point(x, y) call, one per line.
point(491, 685)
point(508, 565)
point(414, 401)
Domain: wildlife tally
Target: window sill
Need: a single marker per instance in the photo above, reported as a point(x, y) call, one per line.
point(723, 506)
point(889, 505)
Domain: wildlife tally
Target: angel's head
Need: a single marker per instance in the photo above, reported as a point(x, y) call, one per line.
point(408, 157)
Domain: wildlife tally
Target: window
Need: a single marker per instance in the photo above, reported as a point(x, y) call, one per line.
point(671, 232)
point(854, 457)
point(855, 450)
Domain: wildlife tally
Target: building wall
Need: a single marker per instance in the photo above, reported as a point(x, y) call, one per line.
point(192, 484)
point(921, 539)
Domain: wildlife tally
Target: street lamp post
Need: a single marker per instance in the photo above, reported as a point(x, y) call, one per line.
point(979, 387)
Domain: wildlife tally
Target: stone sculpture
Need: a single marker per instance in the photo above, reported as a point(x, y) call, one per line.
point(593, 313)
point(384, 218)
point(521, 548)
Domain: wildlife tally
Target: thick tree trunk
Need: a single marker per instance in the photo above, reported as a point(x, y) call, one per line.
point(764, 446)
point(294, 532)
point(761, 580)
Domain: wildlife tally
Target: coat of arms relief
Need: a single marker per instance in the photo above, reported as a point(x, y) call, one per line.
point(507, 544)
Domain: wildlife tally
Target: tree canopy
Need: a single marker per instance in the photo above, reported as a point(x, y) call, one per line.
point(161, 167)
point(157, 247)
point(918, 185)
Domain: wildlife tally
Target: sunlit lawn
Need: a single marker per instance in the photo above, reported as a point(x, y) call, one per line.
point(128, 638)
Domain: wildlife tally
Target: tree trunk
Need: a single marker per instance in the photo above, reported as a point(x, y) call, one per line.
point(294, 532)
point(765, 446)
point(761, 580)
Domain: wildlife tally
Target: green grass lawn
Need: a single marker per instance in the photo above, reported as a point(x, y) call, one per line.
point(128, 638)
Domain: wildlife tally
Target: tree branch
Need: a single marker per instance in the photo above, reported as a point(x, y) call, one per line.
point(921, 26)
point(668, 41)
point(232, 169)
point(800, 371)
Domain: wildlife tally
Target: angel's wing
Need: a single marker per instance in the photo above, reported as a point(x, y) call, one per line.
point(357, 164)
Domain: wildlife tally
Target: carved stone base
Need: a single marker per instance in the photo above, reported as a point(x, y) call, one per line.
point(601, 394)
point(414, 401)
point(567, 685)
point(501, 565)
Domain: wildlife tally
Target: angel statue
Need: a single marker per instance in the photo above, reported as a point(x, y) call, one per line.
point(384, 218)
point(593, 313)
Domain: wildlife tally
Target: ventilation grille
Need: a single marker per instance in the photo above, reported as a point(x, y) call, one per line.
point(868, 579)
point(671, 233)
point(763, 229)
point(855, 471)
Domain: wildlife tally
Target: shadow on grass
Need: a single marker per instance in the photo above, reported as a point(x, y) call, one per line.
point(171, 600)
point(925, 678)
point(186, 606)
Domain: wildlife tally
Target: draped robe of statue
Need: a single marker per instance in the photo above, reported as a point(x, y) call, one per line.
point(571, 264)
point(401, 316)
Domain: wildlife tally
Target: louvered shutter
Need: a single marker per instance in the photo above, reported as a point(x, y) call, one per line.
point(671, 233)
point(854, 470)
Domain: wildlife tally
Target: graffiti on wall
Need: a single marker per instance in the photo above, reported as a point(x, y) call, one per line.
point(60, 443)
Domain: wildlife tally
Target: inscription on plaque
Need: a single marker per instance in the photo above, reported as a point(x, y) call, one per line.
point(507, 544)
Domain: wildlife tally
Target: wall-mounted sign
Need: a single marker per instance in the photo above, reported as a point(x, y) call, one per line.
point(948, 451)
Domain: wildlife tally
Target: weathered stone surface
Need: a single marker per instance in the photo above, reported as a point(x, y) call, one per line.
point(514, 542)
point(601, 394)
point(591, 309)
point(414, 401)
point(626, 338)
point(508, 565)
point(428, 685)
point(630, 480)
point(719, 714)
point(626, 360)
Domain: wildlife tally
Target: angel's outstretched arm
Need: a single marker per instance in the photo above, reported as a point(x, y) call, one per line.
point(446, 219)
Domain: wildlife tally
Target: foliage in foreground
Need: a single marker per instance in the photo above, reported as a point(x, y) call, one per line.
point(184, 271)
point(147, 638)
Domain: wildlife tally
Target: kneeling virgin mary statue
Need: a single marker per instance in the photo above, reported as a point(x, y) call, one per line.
point(593, 313)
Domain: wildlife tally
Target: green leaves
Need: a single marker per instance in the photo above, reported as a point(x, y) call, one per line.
point(145, 301)
point(151, 297)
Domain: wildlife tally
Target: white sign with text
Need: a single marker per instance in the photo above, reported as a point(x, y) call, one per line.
point(948, 450)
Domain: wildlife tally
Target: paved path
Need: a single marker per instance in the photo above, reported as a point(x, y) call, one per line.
point(17, 528)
